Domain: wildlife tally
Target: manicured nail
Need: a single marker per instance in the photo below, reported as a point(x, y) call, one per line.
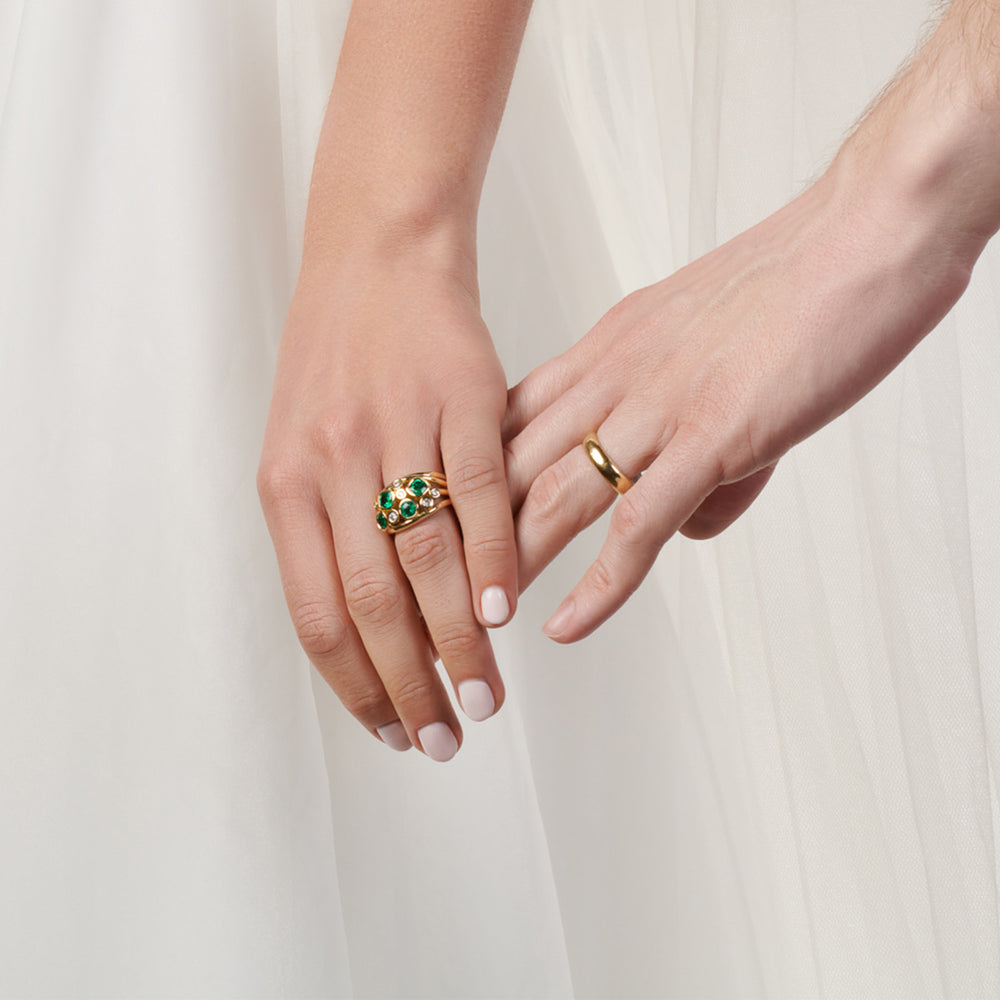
point(438, 741)
point(494, 605)
point(477, 700)
point(394, 736)
point(559, 622)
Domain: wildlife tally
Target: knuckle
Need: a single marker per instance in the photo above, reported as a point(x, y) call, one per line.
point(475, 474)
point(457, 641)
point(421, 550)
point(549, 493)
point(280, 482)
point(546, 506)
point(683, 301)
point(631, 519)
point(483, 395)
point(511, 453)
point(371, 597)
point(368, 705)
point(321, 632)
point(551, 501)
point(625, 312)
point(412, 694)
point(335, 434)
point(620, 314)
point(601, 579)
point(489, 547)
point(325, 435)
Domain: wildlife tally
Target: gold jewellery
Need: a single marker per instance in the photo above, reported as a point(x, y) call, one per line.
point(618, 480)
point(408, 500)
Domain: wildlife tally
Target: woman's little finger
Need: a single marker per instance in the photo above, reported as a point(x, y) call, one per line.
point(307, 563)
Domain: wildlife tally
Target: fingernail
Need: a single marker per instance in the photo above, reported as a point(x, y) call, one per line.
point(394, 736)
point(477, 700)
point(559, 622)
point(438, 741)
point(494, 605)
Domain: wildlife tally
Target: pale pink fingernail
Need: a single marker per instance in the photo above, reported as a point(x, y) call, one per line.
point(494, 605)
point(394, 736)
point(477, 700)
point(559, 622)
point(438, 741)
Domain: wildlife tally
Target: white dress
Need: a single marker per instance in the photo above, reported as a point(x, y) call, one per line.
point(773, 774)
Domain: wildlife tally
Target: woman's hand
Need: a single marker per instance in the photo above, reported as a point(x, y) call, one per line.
point(385, 369)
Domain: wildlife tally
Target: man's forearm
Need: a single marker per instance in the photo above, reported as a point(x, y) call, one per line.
point(932, 139)
point(418, 97)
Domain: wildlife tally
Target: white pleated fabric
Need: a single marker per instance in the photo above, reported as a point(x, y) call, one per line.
point(771, 775)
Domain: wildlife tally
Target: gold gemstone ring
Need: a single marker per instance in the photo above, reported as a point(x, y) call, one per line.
point(408, 500)
point(618, 480)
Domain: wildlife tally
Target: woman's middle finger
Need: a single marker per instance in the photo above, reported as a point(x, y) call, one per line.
point(432, 556)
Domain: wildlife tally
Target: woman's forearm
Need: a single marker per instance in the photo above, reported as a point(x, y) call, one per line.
point(418, 97)
point(386, 370)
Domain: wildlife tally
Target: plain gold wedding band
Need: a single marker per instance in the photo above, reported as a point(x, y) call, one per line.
point(618, 480)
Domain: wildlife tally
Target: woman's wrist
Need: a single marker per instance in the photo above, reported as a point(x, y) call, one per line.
point(367, 235)
point(412, 117)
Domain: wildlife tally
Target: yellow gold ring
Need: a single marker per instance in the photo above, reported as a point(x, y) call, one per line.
point(406, 501)
point(618, 480)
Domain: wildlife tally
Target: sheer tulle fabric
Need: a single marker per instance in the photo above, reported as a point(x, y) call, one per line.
point(772, 774)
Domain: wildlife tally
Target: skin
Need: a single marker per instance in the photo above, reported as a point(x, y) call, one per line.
point(702, 380)
point(385, 368)
point(705, 379)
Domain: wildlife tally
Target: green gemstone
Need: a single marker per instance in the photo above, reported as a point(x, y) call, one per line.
point(407, 508)
point(385, 499)
point(382, 521)
point(418, 487)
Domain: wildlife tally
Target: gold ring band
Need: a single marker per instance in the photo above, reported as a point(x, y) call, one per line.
point(408, 500)
point(618, 480)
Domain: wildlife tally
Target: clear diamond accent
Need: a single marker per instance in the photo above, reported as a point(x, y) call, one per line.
point(435, 493)
point(400, 494)
point(425, 501)
point(393, 516)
